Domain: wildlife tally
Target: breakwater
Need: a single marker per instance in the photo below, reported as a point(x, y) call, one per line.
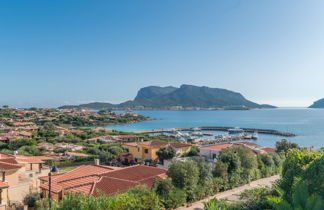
point(222, 128)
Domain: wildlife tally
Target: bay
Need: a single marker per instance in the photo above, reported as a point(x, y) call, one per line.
point(307, 124)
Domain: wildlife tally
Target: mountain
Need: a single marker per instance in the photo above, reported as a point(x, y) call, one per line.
point(153, 91)
point(187, 96)
point(94, 105)
point(318, 104)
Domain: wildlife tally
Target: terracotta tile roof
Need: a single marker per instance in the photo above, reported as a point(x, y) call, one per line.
point(111, 186)
point(218, 146)
point(154, 143)
point(81, 175)
point(3, 185)
point(31, 159)
point(109, 180)
point(84, 188)
point(126, 178)
point(247, 143)
point(9, 160)
point(23, 123)
point(127, 136)
point(268, 149)
point(135, 173)
point(8, 166)
point(179, 144)
point(133, 144)
point(2, 155)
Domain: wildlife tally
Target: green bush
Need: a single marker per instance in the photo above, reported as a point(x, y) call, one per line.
point(31, 199)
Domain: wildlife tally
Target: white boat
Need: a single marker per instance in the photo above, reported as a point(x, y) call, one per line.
point(235, 130)
point(255, 136)
point(196, 134)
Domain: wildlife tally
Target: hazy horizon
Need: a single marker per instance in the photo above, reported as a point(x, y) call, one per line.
point(59, 52)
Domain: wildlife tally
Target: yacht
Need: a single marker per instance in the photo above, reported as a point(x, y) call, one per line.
point(235, 130)
point(255, 136)
point(196, 134)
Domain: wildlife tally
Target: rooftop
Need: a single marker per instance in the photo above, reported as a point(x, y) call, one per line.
point(218, 146)
point(93, 179)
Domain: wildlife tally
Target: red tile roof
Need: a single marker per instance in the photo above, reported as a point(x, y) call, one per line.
point(158, 144)
point(126, 178)
point(81, 175)
point(9, 160)
point(218, 146)
point(268, 149)
point(109, 180)
point(31, 159)
point(153, 143)
point(179, 145)
point(8, 166)
point(3, 185)
point(110, 186)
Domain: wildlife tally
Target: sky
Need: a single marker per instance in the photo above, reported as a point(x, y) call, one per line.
point(62, 52)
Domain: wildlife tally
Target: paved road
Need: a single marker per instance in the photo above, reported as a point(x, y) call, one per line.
point(233, 194)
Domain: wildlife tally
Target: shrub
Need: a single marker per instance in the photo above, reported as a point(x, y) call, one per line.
point(31, 199)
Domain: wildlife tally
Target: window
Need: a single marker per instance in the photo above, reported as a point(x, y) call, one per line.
point(146, 151)
point(138, 149)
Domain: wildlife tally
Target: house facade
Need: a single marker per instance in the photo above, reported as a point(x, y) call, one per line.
point(147, 149)
point(20, 176)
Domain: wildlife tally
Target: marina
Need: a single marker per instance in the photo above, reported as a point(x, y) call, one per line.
point(201, 136)
point(231, 130)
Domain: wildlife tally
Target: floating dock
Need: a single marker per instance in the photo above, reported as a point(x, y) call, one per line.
point(220, 128)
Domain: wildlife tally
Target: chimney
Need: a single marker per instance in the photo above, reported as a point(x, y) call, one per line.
point(96, 162)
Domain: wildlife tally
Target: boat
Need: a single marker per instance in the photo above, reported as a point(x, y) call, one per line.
point(196, 134)
point(255, 136)
point(235, 130)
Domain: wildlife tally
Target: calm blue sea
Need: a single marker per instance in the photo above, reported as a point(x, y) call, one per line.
point(308, 124)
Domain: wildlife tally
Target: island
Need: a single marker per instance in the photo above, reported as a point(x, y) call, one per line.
point(186, 97)
point(318, 104)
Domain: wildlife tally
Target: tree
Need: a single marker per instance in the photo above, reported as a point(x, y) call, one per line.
point(102, 112)
point(166, 153)
point(170, 196)
point(284, 145)
point(48, 131)
point(205, 170)
point(221, 170)
point(16, 144)
point(194, 151)
point(163, 187)
point(184, 175)
point(293, 168)
point(31, 199)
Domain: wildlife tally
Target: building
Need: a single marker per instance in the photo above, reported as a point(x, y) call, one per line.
point(211, 152)
point(13, 135)
point(147, 149)
point(19, 176)
point(126, 138)
point(97, 180)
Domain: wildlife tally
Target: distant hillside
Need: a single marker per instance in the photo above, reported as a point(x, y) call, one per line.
point(187, 96)
point(318, 104)
point(153, 91)
point(94, 105)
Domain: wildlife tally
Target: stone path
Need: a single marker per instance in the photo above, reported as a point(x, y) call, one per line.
point(233, 194)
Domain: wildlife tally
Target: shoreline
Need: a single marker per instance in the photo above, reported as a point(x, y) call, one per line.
point(222, 128)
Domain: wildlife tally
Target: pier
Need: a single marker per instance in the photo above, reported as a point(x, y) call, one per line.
point(221, 128)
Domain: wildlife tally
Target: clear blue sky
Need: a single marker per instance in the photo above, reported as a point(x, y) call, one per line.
point(55, 52)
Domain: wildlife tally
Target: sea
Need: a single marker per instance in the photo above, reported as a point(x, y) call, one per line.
point(307, 124)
